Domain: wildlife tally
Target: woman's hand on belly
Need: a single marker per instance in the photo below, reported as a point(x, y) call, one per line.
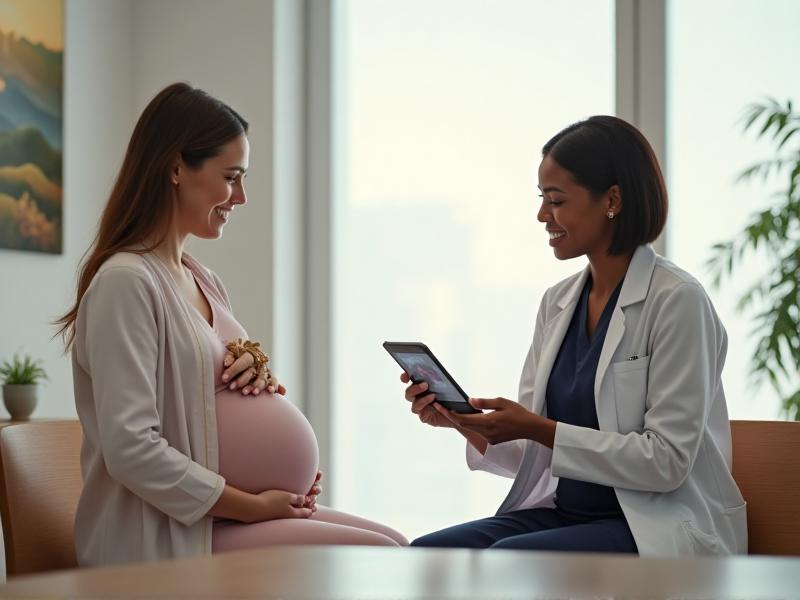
point(316, 490)
point(253, 508)
point(277, 504)
point(241, 374)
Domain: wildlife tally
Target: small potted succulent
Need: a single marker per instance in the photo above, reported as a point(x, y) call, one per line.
point(20, 384)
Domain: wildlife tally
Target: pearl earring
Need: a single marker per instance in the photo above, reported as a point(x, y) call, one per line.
point(610, 214)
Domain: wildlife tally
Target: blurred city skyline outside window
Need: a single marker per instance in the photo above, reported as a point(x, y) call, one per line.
point(441, 112)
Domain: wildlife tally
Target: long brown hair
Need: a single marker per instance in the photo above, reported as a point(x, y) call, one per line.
point(181, 121)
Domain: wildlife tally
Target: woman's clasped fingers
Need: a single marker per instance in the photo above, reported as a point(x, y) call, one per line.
point(316, 488)
point(242, 365)
point(244, 378)
point(273, 386)
point(300, 507)
point(311, 502)
point(255, 387)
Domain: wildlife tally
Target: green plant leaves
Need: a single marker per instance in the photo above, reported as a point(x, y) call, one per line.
point(25, 371)
point(775, 297)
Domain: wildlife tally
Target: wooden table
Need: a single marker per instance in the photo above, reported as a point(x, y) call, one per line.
point(359, 572)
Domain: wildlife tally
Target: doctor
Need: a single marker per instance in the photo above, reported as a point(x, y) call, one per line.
point(620, 441)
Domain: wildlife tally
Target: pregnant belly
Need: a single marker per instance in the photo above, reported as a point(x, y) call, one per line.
point(265, 443)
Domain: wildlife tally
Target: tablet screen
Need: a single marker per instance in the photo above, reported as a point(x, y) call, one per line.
point(421, 368)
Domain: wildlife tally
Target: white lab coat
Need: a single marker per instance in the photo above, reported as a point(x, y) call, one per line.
point(664, 442)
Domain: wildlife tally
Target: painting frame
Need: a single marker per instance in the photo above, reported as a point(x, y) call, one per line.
point(31, 125)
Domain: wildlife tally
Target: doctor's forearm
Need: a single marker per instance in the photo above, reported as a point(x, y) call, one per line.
point(478, 442)
point(541, 429)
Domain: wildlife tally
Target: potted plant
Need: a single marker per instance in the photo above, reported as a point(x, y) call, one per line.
point(20, 384)
point(775, 296)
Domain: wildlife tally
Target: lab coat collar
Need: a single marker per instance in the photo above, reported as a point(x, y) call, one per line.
point(634, 289)
point(637, 279)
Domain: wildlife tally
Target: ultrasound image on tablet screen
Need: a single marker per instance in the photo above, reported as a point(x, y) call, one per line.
point(422, 368)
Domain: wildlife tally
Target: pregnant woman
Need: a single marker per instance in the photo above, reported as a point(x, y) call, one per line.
point(186, 449)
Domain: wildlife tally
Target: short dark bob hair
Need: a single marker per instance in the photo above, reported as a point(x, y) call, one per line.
point(603, 151)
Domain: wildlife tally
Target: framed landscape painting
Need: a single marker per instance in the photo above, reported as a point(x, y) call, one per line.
point(31, 124)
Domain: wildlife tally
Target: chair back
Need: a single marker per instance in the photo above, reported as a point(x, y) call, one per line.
point(39, 488)
point(765, 457)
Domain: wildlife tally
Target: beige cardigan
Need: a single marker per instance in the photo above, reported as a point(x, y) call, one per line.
point(144, 393)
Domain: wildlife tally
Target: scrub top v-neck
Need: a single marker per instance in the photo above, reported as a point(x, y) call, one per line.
point(570, 399)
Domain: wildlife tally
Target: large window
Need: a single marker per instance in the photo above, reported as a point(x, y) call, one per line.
point(721, 57)
point(442, 109)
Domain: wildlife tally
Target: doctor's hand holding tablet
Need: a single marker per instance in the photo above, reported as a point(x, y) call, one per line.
point(439, 401)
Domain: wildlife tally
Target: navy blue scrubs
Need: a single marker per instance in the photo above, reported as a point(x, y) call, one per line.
point(587, 517)
point(570, 399)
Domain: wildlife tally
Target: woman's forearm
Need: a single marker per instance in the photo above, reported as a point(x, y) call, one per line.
point(238, 505)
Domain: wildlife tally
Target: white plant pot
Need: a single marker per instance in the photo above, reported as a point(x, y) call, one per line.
point(20, 400)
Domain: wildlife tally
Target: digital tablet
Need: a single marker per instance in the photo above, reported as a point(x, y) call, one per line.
point(418, 361)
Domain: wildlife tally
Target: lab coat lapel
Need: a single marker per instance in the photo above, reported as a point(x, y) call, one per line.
point(634, 289)
point(555, 330)
point(616, 329)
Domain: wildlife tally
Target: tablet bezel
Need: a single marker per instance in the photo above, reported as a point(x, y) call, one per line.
point(420, 348)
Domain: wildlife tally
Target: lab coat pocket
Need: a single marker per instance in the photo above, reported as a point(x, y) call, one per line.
point(737, 522)
point(702, 543)
point(630, 391)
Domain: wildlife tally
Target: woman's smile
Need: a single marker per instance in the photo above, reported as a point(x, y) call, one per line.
point(223, 213)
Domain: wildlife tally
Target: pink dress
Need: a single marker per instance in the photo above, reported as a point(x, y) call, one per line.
point(266, 443)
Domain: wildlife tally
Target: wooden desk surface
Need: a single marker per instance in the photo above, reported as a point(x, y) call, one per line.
point(359, 572)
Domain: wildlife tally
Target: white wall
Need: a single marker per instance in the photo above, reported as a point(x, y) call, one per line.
point(224, 48)
point(97, 120)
